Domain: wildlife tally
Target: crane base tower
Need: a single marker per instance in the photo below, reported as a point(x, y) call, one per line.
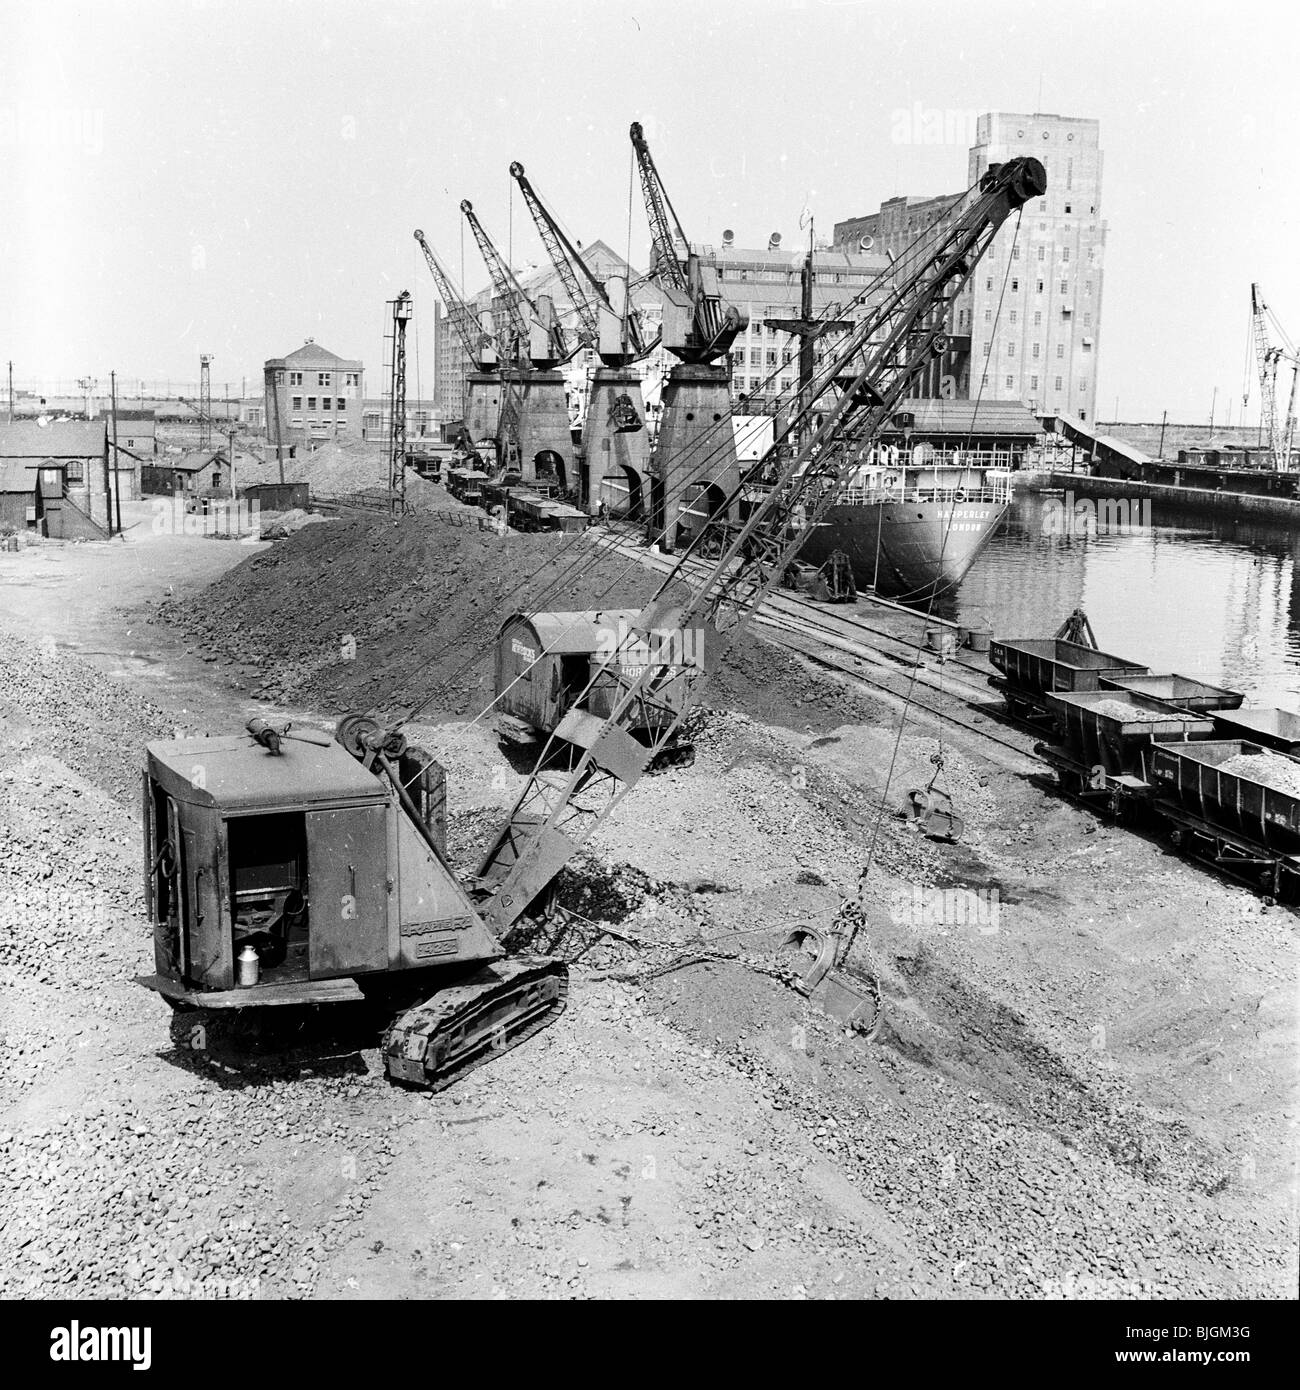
point(482, 405)
point(695, 464)
point(617, 459)
point(533, 434)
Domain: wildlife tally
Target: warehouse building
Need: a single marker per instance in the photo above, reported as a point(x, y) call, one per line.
point(1028, 325)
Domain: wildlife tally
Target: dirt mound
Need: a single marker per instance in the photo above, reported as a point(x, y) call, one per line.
point(339, 467)
point(376, 613)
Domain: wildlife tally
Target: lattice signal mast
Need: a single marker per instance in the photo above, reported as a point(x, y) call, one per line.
point(205, 400)
point(401, 313)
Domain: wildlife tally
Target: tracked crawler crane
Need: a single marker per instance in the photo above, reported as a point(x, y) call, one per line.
point(286, 868)
point(615, 443)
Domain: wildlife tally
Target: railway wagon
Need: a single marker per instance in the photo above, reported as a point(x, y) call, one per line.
point(1277, 729)
point(531, 512)
point(1182, 691)
point(466, 484)
point(1245, 816)
point(1036, 665)
point(1105, 737)
point(544, 662)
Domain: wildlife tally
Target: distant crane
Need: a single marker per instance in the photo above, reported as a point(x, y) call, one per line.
point(695, 468)
point(1268, 358)
point(533, 437)
point(615, 444)
point(482, 406)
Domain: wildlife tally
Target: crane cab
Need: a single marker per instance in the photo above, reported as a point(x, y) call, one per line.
point(303, 857)
point(546, 661)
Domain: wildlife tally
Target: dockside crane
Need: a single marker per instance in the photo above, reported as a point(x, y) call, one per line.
point(1269, 356)
point(615, 444)
point(483, 381)
point(695, 466)
point(533, 438)
point(283, 867)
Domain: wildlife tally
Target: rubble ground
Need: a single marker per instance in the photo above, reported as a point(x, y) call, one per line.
point(1083, 1084)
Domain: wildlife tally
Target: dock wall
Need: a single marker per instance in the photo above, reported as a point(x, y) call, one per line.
point(1242, 504)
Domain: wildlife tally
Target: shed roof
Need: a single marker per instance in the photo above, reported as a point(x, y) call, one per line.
point(979, 418)
point(16, 476)
point(78, 439)
point(573, 632)
point(237, 773)
point(194, 460)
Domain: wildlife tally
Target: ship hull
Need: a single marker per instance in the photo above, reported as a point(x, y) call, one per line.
point(906, 550)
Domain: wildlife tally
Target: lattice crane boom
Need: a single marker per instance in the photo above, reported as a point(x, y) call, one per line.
point(589, 297)
point(478, 344)
point(1268, 358)
point(699, 325)
point(667, 268)
point(558, 811)
point(507, 290)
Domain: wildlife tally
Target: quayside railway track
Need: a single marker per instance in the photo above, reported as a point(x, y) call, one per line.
point(887, 664)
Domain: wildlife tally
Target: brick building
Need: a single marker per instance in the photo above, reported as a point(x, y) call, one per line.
point(320, 395)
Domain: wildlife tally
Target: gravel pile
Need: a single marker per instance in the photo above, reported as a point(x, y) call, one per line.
point(1273, 770)
point(52, 701)
point(178, 1197)
point(1008, 1201)
point(1129, 714)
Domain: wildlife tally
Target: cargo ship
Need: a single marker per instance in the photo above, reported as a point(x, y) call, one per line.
point(911, 531)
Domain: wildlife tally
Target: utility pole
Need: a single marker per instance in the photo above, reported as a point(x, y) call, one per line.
point(117, 458)
point(807, 328)
point(11, 393)
point(1214, 401)
point(1160, 452)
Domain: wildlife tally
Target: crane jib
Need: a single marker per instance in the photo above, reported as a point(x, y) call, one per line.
point(560, 811)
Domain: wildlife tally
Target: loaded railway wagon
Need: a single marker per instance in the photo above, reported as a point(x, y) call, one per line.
point(544, 662)
point(1105, 738)
point(1178, 690)
point(1034, 667)
point(530, 512)
point(466, 484)
point(1234, 802)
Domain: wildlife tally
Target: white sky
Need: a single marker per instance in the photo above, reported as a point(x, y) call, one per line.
point(182, 176)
